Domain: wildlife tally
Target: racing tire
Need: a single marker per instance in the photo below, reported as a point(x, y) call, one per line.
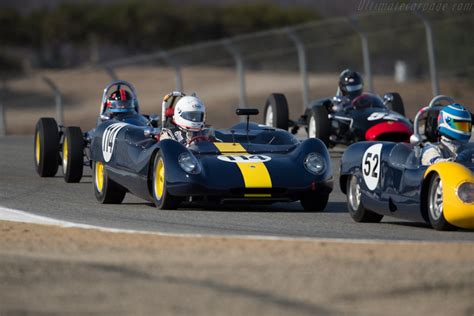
point(354, 205)
point(276, 111)
point(106, 190)
point(46, 147)
point(435, 205)
point(161, 197)
point(319, 125)
point(314, 202)
point(73, 154)
point(396, 104)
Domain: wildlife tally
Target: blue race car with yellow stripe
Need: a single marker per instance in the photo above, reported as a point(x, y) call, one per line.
point(387, 179)
point(246, 163)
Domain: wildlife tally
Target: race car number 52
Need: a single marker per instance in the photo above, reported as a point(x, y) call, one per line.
point(371, 166)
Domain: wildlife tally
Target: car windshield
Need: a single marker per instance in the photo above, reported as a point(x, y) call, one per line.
point(367, 100)
point(270, 137)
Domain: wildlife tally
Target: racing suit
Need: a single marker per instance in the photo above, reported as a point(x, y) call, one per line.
point(182, 137)
point(445, 150)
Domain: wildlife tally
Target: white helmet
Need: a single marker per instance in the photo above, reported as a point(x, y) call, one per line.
point(189, 114)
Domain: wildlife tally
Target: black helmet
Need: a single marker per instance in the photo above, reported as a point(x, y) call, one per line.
point(120, 101)
point(351, 83)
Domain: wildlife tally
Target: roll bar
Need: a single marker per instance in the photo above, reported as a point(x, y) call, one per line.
point(118, 83)
point(171, 98)
point(416, 138)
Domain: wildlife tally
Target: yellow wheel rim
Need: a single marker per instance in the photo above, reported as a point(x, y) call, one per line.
point(99, 176)
point(159, 179)
point(37, 148)
point(65, 154)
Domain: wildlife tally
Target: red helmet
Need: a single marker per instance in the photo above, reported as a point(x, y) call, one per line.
point(120, 101)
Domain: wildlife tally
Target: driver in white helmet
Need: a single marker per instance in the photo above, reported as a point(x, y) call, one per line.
point(189, 121)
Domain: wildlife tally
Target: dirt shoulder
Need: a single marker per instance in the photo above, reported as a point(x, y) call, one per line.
point(56, 271)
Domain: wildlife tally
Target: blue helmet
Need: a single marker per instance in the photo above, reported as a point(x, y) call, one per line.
point(455, 122)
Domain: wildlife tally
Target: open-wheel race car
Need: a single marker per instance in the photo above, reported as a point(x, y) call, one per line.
point(245, 163)
point(388, 179)
point(337, 121)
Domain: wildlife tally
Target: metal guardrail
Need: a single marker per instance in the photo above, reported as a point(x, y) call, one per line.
point(234, 49)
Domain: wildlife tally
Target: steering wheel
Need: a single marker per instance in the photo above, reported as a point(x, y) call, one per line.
point(199, 138)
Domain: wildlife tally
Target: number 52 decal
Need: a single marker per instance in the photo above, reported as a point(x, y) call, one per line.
point(371, 166)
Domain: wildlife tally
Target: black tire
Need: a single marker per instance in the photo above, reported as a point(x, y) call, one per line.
point(436, 216)
point(161, 197)
point(106, 190)
point(354, 205)
point(431, 126)
point(396, 104)
point(73, 154)
point(314, 202)
point(46, 147)
point(278, 105)
point(319, 125)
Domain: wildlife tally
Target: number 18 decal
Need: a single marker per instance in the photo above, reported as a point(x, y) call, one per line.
point(371, 166)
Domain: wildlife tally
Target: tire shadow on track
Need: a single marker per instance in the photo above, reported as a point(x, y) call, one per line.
point(294, 207)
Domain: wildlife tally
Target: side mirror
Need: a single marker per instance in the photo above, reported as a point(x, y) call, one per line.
point(415, 140)
point(151, 132)
point(387, 98)
point(154, 120)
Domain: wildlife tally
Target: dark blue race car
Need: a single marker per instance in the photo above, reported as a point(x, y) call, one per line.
point(245, 163)
point(387, 179)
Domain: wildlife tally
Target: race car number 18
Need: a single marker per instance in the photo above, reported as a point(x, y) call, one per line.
point(371, 166)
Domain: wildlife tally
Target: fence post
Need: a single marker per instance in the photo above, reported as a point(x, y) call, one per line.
point(57, 98)
point(3, 124)
point(303, 66)
point(239, 66)
point(3, 120)
point(177, 69)
point(431, 53)
point(111, 72)
point(365, 53)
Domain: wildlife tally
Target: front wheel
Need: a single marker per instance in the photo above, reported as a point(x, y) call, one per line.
point(435, 205)
point(314, 202)
point(73, 154)
point(354, 205)
point(106, 190)
point(162, 198)
point(319, 125)
point(46, 147)
point(276, 111)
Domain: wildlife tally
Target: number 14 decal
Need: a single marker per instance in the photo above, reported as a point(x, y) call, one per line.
point(371, 166)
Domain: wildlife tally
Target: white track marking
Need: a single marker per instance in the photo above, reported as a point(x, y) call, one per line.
point(12, 215)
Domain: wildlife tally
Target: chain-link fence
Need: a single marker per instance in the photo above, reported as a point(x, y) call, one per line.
point(303, 62)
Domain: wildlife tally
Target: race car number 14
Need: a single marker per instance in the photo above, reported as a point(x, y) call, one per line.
point(371, 166)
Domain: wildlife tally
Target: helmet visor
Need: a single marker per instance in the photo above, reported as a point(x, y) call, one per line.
point(460, 125)
point(352, 88)
point(193, 116)
point(121, 106)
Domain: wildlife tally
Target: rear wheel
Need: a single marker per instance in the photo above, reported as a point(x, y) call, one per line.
point(162, 198)
point(73, 154)
point(276, 111)
point(106, 190)
point(314, 202)
point(396, 104)
point(435, 205)
point(319, 125)
point(47, 147)
point(354, 205)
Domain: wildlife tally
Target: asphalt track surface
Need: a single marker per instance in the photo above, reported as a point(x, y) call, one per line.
point(22, 189)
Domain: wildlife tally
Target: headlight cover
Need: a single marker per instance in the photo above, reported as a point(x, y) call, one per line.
point(314, 163)
point(465, 192)
point(189, 163)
